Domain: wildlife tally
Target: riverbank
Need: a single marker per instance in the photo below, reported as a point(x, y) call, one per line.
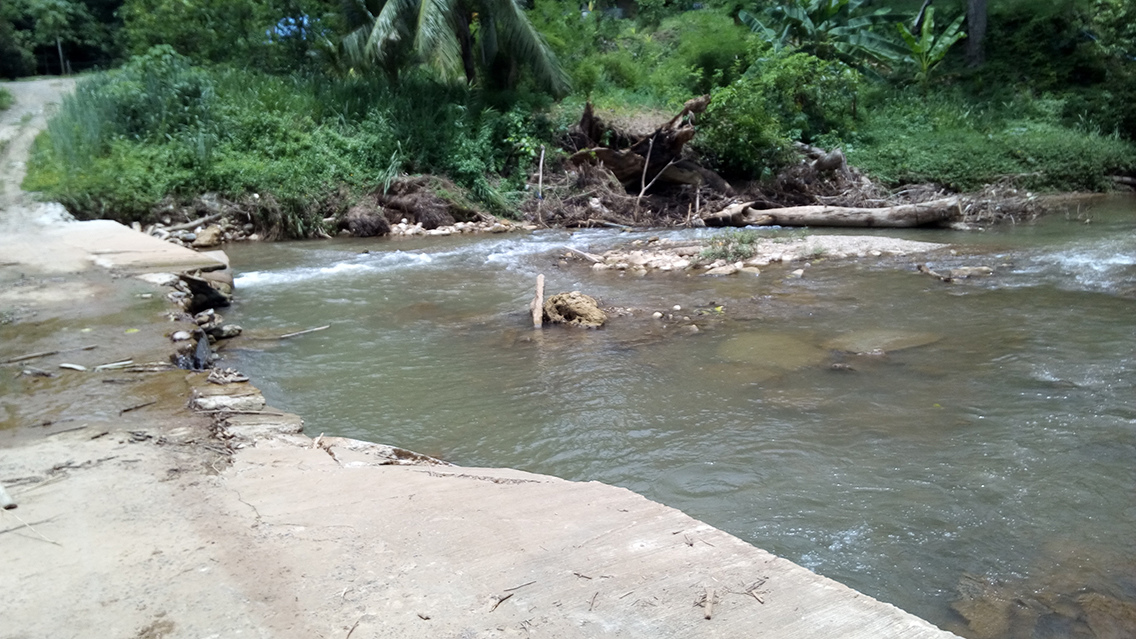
point(143, 517)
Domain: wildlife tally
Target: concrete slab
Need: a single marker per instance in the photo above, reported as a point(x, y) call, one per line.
point(77, 246)
point(448, 552)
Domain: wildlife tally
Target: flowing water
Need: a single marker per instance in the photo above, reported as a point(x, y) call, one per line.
point(994, 442)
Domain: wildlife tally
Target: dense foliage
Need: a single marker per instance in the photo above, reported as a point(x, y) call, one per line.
point(160, 126)
point(307, 101)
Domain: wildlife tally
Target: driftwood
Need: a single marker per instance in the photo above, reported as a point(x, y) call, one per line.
point(297, 333)
point(901, 216)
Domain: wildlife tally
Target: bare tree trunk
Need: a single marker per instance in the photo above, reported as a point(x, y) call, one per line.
point(975, 32)
point(62, 66)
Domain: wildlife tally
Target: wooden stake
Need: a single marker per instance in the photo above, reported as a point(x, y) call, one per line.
point(537, 304)
point(709, 612)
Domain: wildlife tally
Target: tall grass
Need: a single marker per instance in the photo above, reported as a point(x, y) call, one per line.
point(161, 127)
point(946, 139)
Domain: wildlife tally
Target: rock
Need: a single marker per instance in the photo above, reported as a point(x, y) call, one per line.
point(600, 266)
point(160, 279)
point(880, 339)
point(498, 228)
point(224, 331)
point(771, 350)
point(753, 270)
point(725, 269)
point(573, 308)
point(209, 237)
point(204, 294)
point(181, 336)
point(207, 317)
point(657, 315)
point(799, 273)
point(249, 402)
point(964, 272)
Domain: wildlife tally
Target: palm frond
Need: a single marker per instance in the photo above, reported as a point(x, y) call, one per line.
point(436, 39)
point(517, 37)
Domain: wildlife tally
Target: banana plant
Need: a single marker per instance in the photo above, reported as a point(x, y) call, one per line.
point(929, 49)
point(829, 29)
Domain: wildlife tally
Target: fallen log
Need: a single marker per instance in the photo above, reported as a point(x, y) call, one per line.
point(901, 216)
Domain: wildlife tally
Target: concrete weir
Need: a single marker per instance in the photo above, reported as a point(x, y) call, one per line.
point(229, 521)
point(489, 552)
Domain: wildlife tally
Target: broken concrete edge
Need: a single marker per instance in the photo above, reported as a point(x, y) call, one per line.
point(241, 417)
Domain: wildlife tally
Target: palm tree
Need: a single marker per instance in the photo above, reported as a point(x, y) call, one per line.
point(455, 37)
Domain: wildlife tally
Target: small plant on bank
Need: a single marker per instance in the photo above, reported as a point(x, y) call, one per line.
point(5, 99)
point(731, 246)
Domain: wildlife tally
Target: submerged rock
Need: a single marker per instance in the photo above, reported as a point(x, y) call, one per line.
point(574, 308)
point(880, 340)
point(771, 350)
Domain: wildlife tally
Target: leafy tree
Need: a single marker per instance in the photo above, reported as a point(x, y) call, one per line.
point(272, 35)
point(828, 29)
point(928, 50)
point(454, 37)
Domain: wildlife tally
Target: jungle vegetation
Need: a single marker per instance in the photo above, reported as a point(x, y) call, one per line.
point(317, 101)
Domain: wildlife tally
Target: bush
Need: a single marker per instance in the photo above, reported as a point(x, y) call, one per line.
point(783, 97)
point(6, 99)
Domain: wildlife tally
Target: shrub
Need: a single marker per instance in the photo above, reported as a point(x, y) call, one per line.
point(783, 97)
point(5, 99)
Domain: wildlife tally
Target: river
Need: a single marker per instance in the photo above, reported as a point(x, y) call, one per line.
point(989, 457)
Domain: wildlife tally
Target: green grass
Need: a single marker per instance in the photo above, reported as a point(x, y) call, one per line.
point(943, 139)
point(730, 245)
point(6, 99)
point(160, 127)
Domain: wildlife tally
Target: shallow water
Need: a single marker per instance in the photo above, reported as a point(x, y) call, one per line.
point(997, 441)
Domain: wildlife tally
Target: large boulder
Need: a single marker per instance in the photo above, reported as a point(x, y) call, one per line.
point(573, 308)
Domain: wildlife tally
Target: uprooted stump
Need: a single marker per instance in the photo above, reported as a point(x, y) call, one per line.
point(574, 308)
point(654, 158)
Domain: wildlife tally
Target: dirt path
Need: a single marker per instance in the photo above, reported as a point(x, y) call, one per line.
point(35, 100)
